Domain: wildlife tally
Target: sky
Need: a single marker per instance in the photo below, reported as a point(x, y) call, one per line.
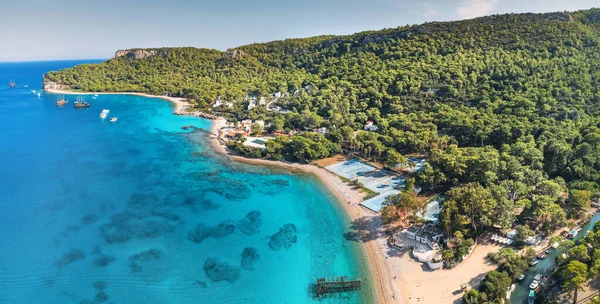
point(86, 29)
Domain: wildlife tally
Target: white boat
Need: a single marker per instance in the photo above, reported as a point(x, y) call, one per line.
point(536, 281)
point(510, 291)
point(95, 95)
point(38, 94)
point(32, 91)
point(113, 119)
point(104, 113)
point(26, 86)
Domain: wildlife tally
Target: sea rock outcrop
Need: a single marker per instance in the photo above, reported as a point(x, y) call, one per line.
point(202, 232)
point(70, 257)
point(285, 238)
point(251, 223)
point(249, 257)
point(217, 270)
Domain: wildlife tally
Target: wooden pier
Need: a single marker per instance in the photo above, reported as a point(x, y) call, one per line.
point(336, 284)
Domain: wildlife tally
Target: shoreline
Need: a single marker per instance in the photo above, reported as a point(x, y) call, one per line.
point(179, 102)
point(347, 197)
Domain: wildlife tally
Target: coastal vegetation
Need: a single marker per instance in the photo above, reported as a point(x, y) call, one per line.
point(506, 107)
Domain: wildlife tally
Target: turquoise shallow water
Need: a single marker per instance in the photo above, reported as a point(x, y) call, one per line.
point(140, 211)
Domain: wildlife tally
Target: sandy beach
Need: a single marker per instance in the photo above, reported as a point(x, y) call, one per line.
point(395, 273)
point(179, 102)
point(347, 196)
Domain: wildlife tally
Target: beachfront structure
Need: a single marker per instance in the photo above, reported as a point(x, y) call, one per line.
point(384, 182)
point(427, 234)
point(370, 126)
point(234, 134)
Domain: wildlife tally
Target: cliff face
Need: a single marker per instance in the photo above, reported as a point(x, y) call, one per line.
point(135, 54)
point(51, 85)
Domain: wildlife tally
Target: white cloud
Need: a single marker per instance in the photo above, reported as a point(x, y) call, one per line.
point(468, 9)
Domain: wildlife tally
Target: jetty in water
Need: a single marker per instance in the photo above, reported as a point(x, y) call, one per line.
point(335, 284)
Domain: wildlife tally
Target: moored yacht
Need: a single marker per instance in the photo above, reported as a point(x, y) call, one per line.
point(113, 119)
point(104, 113)
point(61, 101)
point(80, 103)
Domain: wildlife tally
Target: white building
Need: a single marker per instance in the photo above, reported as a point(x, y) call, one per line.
point(322, 130)
point(428, 234)
point(261, 123)
point(251, 104)
point(246, 125)
point(218, 102)
point(369, 126)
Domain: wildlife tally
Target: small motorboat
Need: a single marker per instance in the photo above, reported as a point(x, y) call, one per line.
point(536, 281)
point(510, 291)
point(541, 256)
point(26, 86)
point(549, 250)
point(534, 261)
point(104, 113)
point(39, 95)
point(114, 119)
point(95, 95)
point(33, 92)
point(521, 277)
point(531, 298)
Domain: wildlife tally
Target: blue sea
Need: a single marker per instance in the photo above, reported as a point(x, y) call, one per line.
point(142, 211)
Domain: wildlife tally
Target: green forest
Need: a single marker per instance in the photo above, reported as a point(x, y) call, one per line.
point(507, 107)
point(502, 104)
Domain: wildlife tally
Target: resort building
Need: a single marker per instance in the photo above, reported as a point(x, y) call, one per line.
point(369, 126)
point(428, 234)
point(251, 104)
point(245, 125)
point(261, 123)
point(218, 102)
point(322, 130)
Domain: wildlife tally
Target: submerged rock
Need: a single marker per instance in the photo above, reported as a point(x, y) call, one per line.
point(202, 232)
point(125, 225)
point(249, 257)
point(101, 297)
point(285, 238)
point(251, 223)
point(217, 270)
point(100, 285)
point(104, 260)
point(70, 257)
point(142, 257)
point(89, 219)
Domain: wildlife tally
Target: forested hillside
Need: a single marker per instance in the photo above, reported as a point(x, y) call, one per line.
point(508, 102)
